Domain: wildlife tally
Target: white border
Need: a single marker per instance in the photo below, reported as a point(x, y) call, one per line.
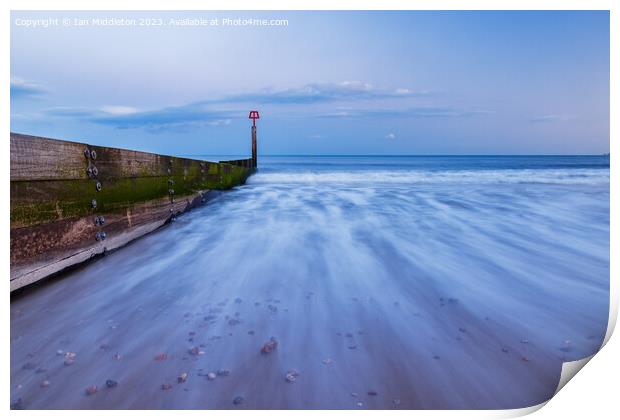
point(593, 393)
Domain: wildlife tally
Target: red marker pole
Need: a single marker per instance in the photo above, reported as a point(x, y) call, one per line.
point(254, 116)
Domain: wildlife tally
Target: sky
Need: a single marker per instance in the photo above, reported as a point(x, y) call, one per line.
point(325, 83)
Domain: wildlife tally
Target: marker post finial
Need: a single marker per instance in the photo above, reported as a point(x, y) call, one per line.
point(254, 116)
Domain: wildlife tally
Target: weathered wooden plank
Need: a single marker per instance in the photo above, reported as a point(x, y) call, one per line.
point(43, 158)
point(39, 158)
point(35, 250)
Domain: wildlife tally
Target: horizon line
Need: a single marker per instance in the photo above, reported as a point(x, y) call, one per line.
point(412, 155)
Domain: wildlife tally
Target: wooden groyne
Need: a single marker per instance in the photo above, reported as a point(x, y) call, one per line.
point(72, 201)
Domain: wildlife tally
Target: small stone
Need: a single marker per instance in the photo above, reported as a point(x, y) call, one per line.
point(291, 376)
point(70, 355)
point(59, 352)
point(166, 387)
point(327, 361)
point(352, 347)
point(238, 400)
point(182, 378)
point(194, 351)
point(269, 346)
point(524, 342)
point(354, 394)
point(524, 359)
point(504, 349)
point(360, 404)
point(463, 330)
point(69, 362)
point(111, 383)
point(372, 393)
point(234, 321)
point(211, 376)
point(161, 356)
point(91, 390)
point(45, 384)
point(396, 401)
point(117, 356)
point(223, 372)
point(29, 366)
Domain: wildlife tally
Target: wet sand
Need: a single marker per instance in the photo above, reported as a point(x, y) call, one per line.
point(378, 297)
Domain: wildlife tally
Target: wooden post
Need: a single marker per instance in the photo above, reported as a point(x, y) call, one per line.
point(254, 160)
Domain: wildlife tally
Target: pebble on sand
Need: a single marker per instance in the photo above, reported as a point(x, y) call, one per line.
point(110, 383)
point(28, 366)
point(269, 346)
point(45, 384)
point(211, 376)
point(166, 387)
point(327, 361)
point(238, 400)
point(182, 377)
point(161, 356)
point(291, 376)
point(372, 393)
point(223, 372)
point(91, 390)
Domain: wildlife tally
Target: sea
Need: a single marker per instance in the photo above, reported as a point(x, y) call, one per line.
point(387, 282)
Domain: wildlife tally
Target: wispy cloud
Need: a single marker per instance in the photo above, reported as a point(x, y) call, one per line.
point(180, 118)
point(21, 88)
point(413, 112)
point(209, 112)
point(552, 117)
point(119, 109)
point(319, 93)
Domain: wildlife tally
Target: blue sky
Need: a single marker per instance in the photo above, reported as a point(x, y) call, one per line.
point(328, 83)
